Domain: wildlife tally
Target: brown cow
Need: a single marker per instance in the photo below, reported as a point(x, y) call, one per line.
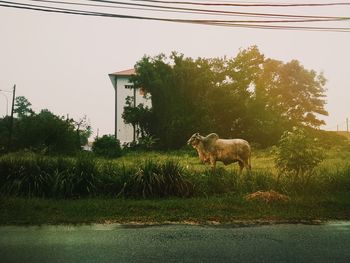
point(211, 149)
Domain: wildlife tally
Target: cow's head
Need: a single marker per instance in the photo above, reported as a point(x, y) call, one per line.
point(194, 140)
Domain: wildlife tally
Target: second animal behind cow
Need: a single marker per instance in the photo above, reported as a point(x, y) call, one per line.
point(211, 149)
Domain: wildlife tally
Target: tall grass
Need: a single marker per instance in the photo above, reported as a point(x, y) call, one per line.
point(155, 179)
point(156, 176)
point(37, 176)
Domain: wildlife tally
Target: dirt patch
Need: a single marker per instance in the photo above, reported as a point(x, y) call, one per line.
point(267, 197)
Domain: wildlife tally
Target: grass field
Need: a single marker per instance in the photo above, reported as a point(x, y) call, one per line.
point(212, 210)
point(211, 197)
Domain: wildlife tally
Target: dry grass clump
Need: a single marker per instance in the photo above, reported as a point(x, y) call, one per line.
point(267, 196)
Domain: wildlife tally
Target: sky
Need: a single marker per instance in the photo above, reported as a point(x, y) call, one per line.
point(61, 62)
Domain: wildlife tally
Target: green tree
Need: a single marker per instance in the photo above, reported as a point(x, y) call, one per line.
point(140, 117)
point(296, 93)
point(303, 94)
point(177, 90)
point(229, 100)
point(45, 132)
point(266, 121)
point(83, 130)
point(22, 107)
point(248, 96)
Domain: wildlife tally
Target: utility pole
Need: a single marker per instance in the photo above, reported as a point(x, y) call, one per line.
point(116, 108)
point(347, 124)
point(134, 125)
point(11, 120)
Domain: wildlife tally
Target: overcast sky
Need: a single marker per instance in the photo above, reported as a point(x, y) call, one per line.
point(61, 62)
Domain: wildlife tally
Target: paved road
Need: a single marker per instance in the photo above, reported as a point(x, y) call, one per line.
point(176, 243)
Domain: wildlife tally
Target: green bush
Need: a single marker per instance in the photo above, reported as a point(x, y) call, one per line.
point(107, 146)
point(298, 154)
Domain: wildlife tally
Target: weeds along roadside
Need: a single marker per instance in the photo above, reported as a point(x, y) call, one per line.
point(32, 175)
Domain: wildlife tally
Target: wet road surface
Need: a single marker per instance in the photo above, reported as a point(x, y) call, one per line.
point(176, 243)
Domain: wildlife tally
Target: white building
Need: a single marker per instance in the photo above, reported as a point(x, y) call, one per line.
point(124, 88)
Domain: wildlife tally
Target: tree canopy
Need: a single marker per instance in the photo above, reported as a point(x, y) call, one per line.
point(248, 96)
point(43, 132)
point(22, 107)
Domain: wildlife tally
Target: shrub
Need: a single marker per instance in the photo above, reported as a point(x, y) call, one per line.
point(298, 154)
point(159, 180)
point(145, 143)
point(107, 146)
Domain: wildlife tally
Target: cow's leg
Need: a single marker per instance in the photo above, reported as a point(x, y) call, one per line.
point(247, 165)
point(213, 163)
point(241, 166)
point(201, 157)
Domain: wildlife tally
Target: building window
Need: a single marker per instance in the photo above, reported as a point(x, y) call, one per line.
point(129, 86)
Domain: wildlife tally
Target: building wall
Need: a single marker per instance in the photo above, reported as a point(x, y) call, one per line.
point(125, 131)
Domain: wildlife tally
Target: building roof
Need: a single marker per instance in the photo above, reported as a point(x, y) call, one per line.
point(127, 72)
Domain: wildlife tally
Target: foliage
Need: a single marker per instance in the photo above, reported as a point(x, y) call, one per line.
point(147, 142)
point(247, 96)
point(4, 132)
point(156, 175)
point(139, 117)
point(43, 132)
point(22, 107)
point(298, 154)
point(160, 180)
point(143, 143)
point(41, 176)
point(107, 146)
point(176, 92)
point(83, 130)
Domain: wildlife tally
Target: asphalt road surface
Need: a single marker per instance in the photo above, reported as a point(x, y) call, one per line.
point(176, 243)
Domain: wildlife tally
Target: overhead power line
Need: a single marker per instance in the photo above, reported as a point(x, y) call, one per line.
point(295, 20)
point(257, 24)
point(196, 10)
point(218, 12)
point(125, 5)
point(245, 4)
